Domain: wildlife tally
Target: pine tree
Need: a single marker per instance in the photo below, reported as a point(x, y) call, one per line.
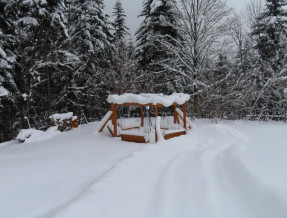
point(270, 29)
point(22, 15)
point(121, 77)
point(7, 55)
point(271, 32)
point(92, 41)
point(55, 56)
point(143, 35)
point(121, 30)
point(19, 17)
point(50, 60)
point(159, 25)
point(8, 88)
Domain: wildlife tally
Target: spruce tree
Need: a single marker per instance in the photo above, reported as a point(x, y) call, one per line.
point(119, 24)
point(51, 60)
point(121, 76)
point(270, 30)
point(9, 110)
point(20, 17)
point(143, 35)
point(7, 55)
point(159, 25)
point(92, 41)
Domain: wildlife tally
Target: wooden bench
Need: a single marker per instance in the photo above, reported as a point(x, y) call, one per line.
point(133, 138)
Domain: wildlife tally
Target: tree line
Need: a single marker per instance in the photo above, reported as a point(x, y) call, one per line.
point(69, 55)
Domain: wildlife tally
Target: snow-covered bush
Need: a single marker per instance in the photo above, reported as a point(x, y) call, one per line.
point(25, 134)
point(31, 135)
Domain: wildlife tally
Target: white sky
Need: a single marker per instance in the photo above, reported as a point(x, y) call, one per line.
point(134, 7)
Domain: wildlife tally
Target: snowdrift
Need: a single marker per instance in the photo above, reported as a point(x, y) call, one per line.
point(217, 170)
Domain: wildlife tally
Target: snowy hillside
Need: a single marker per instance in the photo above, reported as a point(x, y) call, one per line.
point(226, 170)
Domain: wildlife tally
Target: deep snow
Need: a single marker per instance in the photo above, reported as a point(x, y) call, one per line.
point(234, 169)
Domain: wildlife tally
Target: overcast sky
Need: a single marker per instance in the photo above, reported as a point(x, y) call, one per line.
point(134, 7)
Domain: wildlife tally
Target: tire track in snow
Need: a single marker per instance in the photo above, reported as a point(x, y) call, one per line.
point(259, 199)
point(219, 192)
point(195, 188)
point(203, 179)
point(87, 187)
point(97, 202)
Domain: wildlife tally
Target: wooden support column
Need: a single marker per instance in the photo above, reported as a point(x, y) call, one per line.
point(155, 116)
point(142, 115)
point(184, 114)
point(174, 114)
point(114, 119)
point(102, 128)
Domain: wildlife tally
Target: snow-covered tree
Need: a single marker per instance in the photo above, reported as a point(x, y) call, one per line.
point(252, 11)
point(20, 18)
point(121, 76)
point(203, 25)
point(7, 56)
point(159, 24)
point(50, 60)
point(92, 41)
point(144, 34)
point(8, 88)
point(121, 30)
point(270, 29)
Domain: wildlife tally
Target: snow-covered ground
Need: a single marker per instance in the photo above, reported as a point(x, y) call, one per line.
point(234, 169)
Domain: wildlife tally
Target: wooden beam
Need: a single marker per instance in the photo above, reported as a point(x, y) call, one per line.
point(184, 115)
point(133, 138)
point(174, 114)
point(142, 115)
point(177, 118)
point(155, 111)
point(106, 123)
point(155, 115)
point(114, 121)
point(172, 135)
point(112, 109)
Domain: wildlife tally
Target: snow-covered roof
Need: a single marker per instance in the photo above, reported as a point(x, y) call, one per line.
point(154, 99)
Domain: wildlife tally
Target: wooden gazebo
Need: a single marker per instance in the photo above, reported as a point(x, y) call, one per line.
point(143, 101)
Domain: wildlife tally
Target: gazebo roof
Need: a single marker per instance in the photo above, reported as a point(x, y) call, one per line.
point(149, 99)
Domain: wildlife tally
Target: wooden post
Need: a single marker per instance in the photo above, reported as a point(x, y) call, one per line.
point(184, 114)
point(114, 120)
point(142, 115)
point(112, 108)
point(174, 114)
point(155, 116)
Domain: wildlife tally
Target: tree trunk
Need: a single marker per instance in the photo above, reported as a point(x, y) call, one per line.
point(26, 106)
point(195, 103)
point(48, 90)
